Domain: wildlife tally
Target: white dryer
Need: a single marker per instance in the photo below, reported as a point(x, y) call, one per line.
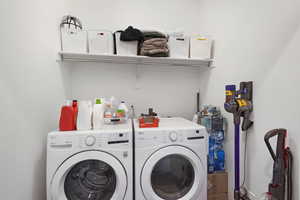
point(90, 165)
point(171, 161)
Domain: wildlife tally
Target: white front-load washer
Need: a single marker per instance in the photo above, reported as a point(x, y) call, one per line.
point(90, 165)
point(171, 161)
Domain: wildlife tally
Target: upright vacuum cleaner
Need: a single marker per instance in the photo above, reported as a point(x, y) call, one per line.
point(282, 168)
point(239, 103)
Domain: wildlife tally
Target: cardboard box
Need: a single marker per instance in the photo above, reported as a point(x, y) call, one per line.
point(218, 197)
point(217, 183)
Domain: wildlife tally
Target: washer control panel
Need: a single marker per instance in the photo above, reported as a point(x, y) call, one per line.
point(60, 142)
point(86, 140)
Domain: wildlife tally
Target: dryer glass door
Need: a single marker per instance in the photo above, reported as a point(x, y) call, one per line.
point(173, 173)
point(172, 177)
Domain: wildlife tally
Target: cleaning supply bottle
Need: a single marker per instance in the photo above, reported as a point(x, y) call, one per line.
point(84, 118)
point(113, 102)
point(67, 121)
point(123, 107)
point(98, 114)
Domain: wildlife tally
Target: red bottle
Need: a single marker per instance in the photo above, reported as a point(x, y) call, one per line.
point(68, 116)
point(75, 109)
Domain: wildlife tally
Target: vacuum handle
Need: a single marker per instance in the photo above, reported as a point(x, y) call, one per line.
point(269, 135)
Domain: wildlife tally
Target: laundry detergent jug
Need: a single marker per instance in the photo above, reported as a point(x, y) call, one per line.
point(84, 118)
point(67, 121)
point(98, 114)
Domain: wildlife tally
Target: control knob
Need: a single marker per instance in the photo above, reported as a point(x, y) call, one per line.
point(90, 140)
point(173, 136)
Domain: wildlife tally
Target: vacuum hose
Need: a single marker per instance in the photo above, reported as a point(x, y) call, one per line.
point(289, 175)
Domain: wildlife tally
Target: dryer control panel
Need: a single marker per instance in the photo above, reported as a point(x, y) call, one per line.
point(177, 136)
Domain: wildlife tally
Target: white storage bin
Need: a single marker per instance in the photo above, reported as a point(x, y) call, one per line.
point(101, 42)
point(200, 47)
point(179, 46)
point(125, 48)
point(74, 42)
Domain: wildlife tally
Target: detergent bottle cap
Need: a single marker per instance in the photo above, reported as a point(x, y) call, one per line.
point(98, 101)
point(68, 102)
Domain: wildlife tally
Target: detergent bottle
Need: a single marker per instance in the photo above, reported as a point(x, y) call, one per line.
point(84, 118)
point(75, 109)
point(67, 121)
point(98, 114)
point(123, 107)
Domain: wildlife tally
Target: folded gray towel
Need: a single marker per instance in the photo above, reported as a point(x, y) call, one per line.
point(153, 51)
point(155, 46)
point(155, 41)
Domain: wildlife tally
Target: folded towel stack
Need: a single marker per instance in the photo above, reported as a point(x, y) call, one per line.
point(155, 45)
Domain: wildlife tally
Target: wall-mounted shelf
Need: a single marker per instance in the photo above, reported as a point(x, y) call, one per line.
point(85, 57)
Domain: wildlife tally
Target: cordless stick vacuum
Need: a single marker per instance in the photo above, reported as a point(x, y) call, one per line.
point(239, 103)
point(282, 168)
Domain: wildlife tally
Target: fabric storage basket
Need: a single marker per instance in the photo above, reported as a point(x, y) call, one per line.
point(125, 48)
point(74, 42)
point(100, 42)
point(201, 47)
point(179, 46)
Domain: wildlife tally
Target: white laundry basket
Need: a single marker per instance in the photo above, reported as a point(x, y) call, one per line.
point(100, 42)
point(74, 42)
point(129, 48)
point(201, 47)
point(179, 46)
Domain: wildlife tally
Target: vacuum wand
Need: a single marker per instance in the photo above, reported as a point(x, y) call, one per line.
point(239, 103)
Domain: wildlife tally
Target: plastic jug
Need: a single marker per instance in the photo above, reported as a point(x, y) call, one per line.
point(124, 108)
point(84, 118)
point(98, 114)
point(67, 121)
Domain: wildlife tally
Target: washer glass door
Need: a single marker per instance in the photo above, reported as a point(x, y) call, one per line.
point(90, 175)
point(90, 179)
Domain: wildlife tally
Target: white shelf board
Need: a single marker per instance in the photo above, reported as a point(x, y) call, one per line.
point(85, 57)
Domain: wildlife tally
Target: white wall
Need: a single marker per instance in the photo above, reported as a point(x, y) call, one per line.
point(257, 40)
point(169, 90)
point(32, 86)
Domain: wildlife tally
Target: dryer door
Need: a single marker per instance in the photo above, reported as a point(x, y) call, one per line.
point(173, 173)
point(89, 175)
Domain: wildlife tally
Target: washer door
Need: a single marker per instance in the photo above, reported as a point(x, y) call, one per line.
point(173, 173)
point(90, 175)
